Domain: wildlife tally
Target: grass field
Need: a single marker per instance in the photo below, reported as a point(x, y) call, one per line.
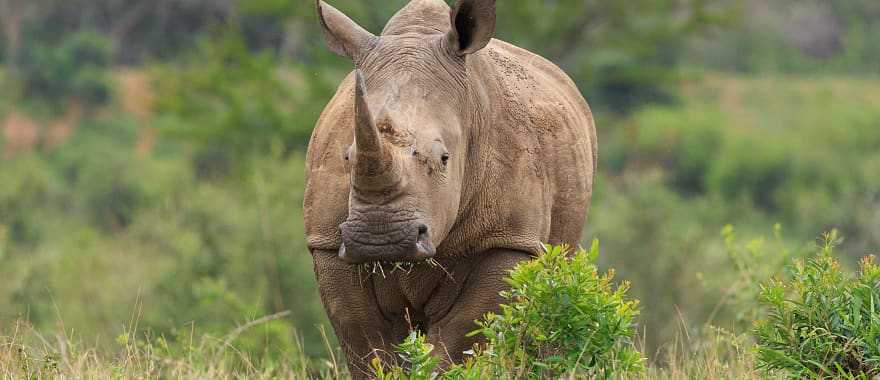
point(29, 354)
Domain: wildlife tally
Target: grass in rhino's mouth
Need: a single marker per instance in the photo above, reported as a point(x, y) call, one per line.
point(385, 268)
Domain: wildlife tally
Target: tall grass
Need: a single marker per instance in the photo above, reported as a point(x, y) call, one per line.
point(713, 354)
point(26, 353)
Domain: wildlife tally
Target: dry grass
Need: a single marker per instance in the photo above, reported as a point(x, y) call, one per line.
point(717, 355)
point(26, 353)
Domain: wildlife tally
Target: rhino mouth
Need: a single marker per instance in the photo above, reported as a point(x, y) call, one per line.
point(385, 242)
point(387, 268)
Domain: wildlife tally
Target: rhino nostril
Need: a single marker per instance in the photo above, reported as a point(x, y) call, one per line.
point(423, 232)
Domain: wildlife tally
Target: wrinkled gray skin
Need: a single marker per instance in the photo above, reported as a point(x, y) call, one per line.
point(447, 144)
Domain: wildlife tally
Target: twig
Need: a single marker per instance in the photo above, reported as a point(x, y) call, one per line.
point(247, 326)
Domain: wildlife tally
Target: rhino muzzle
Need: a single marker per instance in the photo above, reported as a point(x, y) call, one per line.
point(385, 242)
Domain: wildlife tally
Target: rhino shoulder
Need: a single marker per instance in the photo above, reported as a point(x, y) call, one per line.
point(542, 134)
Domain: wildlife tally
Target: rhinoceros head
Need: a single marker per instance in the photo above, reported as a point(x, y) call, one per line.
point(412, 103)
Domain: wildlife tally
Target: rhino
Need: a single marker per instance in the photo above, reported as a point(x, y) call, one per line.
point(445, 158)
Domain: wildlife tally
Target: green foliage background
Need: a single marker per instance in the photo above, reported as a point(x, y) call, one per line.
point(186, 212)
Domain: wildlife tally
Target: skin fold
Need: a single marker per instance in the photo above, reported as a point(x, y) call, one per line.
point(445, 145)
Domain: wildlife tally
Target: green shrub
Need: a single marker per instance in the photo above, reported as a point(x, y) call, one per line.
point(754, 261)
point(231, 103)
point(744, 172)
point(75, 68)
point(623, 81)
point(105, 181)
point(684, 141)
point(562, 318)
point(821, 322)
point(26, 184)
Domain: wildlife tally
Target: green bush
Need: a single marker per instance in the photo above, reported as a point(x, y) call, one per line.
point(562, 318)
point(685, 142)
point(231, 103)
point(75, 68)
point(821, 322)
point(754, 171)
point(26, 183)
point(620, 82)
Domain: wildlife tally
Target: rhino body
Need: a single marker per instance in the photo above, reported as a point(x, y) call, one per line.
point(443, 144)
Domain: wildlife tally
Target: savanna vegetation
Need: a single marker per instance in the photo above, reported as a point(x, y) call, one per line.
point(151, 179)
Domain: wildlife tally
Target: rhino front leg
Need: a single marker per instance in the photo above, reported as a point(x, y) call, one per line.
point(478, 297)
point(351, 307)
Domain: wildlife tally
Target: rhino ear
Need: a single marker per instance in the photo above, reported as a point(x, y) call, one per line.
point(473, 25)
point(344, 36)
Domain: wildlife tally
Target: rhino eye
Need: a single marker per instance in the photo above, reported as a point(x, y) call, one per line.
point(444, 159)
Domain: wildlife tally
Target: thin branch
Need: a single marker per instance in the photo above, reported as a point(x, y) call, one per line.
point(247, 326)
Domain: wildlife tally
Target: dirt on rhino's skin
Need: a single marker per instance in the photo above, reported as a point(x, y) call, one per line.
point(446, 146)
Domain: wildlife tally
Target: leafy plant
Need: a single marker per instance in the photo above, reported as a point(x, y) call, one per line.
point(562, 318)
point(420, 363)
point(822, 323)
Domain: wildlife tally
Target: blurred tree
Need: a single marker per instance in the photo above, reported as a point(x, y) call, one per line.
point(621, 54)
point(139, 29)
point(75, 69)
point(861, 21)
point(13, 15)
point(795, 36)
point(232, 103)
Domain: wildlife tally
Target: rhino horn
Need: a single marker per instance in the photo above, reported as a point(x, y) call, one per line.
point(374, 163)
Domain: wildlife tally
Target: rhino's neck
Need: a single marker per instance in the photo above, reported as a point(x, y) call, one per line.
point(476, 122)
